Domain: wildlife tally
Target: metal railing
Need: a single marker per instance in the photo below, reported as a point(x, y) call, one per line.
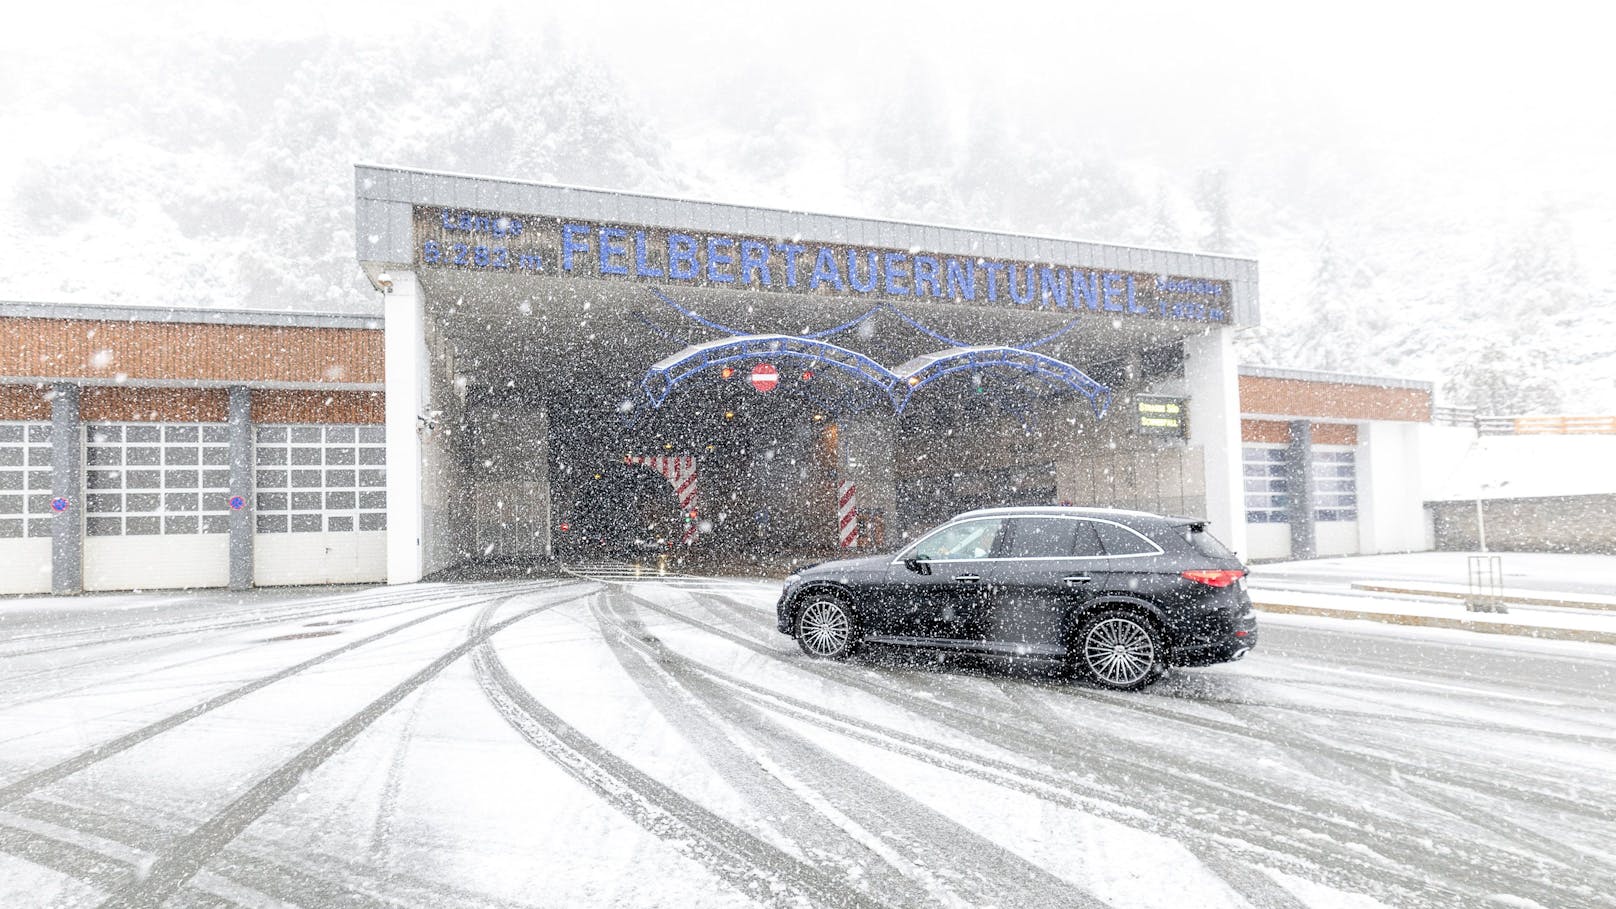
point(1443, 415)
point(1484, 588)
point(1564, 424)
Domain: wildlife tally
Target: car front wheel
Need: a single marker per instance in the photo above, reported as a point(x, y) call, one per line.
point(1118, 649)
point(825, 628)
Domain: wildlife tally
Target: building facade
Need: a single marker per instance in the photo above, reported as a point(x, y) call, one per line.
point(152, 449)
point(1333, 463)
point(551, 371)
point(546, 344)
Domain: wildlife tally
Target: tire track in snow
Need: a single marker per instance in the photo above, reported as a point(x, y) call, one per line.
point(1220, 800)
point(980, 872)
point(41, 778)
point(50, 675)
point(168, 628)
point(51, 694)
point(1440, 790)
point(755, 868)
point(649, 666)
point(1368, 652)
point(406, 605)
point(1531, 855)
point(1252, 724)
point(172, 868)
point(1448, 850)
point(1212, 850)
point(65, 858)
point(315, 881)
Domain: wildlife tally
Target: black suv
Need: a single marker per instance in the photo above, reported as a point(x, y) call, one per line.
point(1118, 595)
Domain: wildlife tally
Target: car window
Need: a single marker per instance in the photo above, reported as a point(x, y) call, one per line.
point(965, 540)
point(1041, 538)
point(1120, 541)
point(1205, 543)
point(1086, 540)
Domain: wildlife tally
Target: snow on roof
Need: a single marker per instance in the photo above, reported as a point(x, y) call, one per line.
point(1533, 466)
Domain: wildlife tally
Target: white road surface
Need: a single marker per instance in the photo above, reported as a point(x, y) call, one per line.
point(626, 739)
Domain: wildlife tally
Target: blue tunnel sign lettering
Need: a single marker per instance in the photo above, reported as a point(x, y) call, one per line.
point(527, 244)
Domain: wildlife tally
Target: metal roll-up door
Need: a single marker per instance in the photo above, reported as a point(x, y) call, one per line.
point(1335, 500)
point(321, 504)
point(25, 512)
point(156, 505)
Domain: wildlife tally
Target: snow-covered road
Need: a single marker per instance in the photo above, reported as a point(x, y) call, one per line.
point(623, 740)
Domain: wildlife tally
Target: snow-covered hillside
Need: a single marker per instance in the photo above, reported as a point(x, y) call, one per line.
point(214, 168)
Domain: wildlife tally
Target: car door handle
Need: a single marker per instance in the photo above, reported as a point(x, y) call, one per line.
point(968, 578)
point(1076, 579)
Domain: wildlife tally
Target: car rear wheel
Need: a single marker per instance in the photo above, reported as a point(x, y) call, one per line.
point(1118, 649)
point(825, 628)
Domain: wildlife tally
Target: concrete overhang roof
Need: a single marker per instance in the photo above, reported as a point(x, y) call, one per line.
point(385, 198)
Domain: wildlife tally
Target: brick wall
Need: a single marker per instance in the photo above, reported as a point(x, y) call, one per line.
point(110, 404)
point(23, 402)
point(1279, 432)
point(70, 348)
point(318, 407)
point(116, 404)
point(1337, 400)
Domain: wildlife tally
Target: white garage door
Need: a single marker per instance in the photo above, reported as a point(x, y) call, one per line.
point(1335, 499)
point(25, 512)
point(321, 503)
point(156, 505)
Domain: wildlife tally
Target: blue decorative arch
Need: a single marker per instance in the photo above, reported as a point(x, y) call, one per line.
point(897, 386)
point(916, 374)
point(666, 374)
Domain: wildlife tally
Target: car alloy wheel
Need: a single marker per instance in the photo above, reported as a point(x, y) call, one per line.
point(1119, 650)
point(825, 629)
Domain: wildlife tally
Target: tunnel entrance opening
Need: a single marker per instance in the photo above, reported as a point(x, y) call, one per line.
point(817, 416)
point(762, 463)
point(621, 511)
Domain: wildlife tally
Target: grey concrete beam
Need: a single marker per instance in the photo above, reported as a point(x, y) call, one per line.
point(241, 484)
point(1299, 490)
point(67, 482)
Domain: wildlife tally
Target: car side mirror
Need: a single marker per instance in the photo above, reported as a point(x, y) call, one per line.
point(918, 566)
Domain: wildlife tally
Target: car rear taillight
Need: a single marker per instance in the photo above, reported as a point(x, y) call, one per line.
point(1214, 577)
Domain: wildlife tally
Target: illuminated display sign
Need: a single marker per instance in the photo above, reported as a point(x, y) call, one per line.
point(523, 244)
point(1161, 416)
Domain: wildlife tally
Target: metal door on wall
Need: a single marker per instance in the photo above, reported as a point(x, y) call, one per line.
point(321, 504)
point(156, 512)
point(25, 507)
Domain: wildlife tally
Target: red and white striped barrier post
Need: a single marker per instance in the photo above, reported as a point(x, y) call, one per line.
point(847, 514)
point(680, 472)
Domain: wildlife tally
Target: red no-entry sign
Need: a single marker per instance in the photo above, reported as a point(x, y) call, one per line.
point(764, 377)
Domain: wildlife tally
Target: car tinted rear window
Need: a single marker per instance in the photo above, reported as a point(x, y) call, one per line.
point(1120, 541)
point(1041, 538)
point(1205, 543)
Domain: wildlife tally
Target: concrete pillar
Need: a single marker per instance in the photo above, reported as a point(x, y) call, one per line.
point(866, 446)
point(1299, 490)
point(67, 483)
point(241, 484)
point(1213, 379)
point(406, 375)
